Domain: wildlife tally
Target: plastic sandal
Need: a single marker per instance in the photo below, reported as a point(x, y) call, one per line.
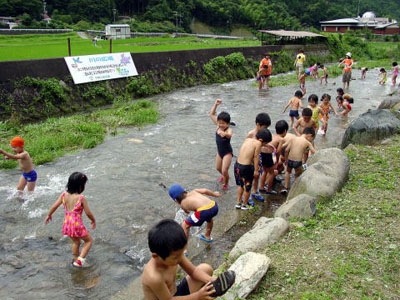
point(223, 283)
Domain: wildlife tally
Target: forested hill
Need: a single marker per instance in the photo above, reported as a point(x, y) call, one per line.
point(255, 14)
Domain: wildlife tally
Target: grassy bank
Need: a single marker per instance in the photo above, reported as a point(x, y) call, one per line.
point(19, 47)
point(55, 137)
point(351, 249)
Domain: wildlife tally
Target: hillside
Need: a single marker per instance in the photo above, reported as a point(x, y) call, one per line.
point(223, 15)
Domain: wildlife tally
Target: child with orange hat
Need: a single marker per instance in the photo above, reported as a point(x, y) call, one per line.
point(29, 175)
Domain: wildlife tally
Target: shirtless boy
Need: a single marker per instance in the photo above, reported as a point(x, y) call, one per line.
point(29, 175)
point(306, 120)
point(167, 242)
point(247, 166)
point(296, 148)
point(263, 120)
point(203, 208)
point(295, 104)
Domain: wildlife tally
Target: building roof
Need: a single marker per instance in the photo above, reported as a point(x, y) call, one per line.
point(342, 21)
point(292, 34)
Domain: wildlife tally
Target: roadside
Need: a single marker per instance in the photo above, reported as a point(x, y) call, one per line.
point(351, 249)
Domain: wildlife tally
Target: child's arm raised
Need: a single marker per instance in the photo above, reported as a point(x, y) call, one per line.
point(22, 155)
point(214, 109)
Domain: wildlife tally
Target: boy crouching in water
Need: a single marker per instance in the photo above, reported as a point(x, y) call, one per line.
point(167, 243)
point(247, 167)
point(297, 149)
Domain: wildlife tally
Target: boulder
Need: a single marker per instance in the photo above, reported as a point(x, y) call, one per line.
point(327, 172)
point(250, 269)
point(301, 206)
point(265, 231)
point(370, 127)
point(388, 103)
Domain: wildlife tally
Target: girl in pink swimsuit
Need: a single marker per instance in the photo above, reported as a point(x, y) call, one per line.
point(74, 204)
point(395, 72)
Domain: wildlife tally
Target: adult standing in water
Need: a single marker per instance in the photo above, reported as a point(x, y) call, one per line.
point(348, 64)
point(299, 62)
point(266, 64)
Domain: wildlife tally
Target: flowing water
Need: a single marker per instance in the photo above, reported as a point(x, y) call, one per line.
point(126, 194)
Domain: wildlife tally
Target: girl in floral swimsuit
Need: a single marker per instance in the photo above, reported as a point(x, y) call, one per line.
point(74, 204)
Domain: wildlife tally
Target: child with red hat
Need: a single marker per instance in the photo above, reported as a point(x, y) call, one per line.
point(29, 175)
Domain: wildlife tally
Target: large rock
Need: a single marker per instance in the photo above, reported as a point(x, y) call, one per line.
point(327, 172)
point(301, 206)
point(250, 268)
point(369, 127)
point(265, 231)
point(388, 103)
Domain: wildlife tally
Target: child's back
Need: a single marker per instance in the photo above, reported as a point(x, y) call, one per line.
point(194, 200)
point(248, 151)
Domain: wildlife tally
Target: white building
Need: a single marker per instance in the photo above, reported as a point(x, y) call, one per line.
point(118, 31)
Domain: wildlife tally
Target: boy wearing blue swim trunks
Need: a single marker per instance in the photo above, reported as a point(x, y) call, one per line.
point(295, 104)
point(29, 176)
point(203, 208)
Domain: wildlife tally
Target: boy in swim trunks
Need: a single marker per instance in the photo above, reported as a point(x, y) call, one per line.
point(247, 166)
point(29, 175)
point(295, 104)
point(296, 149)
point(306, 120)
point(204, 209)
point(167, 242)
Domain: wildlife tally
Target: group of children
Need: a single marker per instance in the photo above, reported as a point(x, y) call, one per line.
point(383, 74)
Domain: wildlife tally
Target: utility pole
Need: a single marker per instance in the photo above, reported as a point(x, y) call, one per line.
point(114, 13)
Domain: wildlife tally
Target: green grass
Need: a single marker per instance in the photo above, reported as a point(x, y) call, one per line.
point(55, 137)
point(21, 47)
point(351, 249)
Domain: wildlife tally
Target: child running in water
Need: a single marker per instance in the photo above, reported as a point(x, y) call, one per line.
point(29, 175)
point(295, 104)
point(326, 108)
point(395, 72)
point(223, 136)
point(74, 204)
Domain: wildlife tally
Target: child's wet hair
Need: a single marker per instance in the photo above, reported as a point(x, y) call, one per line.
point(224, 116)
point(281, 126)
point(340, 98)
point(309, 130)
point(394, 63)
point(314, 98)
point(307, 112)
point(263, 119)
point(340, 91)
point(298, 94)
point(382, 70)
point(326, 96)
point(76, 183)
point(264, 135)
point(165, 237)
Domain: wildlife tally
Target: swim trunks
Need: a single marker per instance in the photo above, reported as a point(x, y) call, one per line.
point(267, 160)
point(223, 145)
point(182, 289)
point(30, 176)
point(243, 174)
point(293, 113)
point(202, 214)
point(294, 164)
point(308, 72)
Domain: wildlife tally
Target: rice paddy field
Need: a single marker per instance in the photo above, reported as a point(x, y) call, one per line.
point(35, 46)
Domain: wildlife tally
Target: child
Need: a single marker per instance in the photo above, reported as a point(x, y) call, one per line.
point(364, 73)
point(247, 166)
point(204, 209)
point(295, 104)
point(326, 108)
point(344, 105)
point(74, 204)
point(263, 120)
point(261, 76)
point(223, 136)
point(29, 175)
point(395, 72)
point(296, 149)
point(316, 110)
point(382, 76)
point(346, 96)
point(167, 242)
point(324, 76)
point(266, 61)
point(302, 83)
point(271, 168)
point(306, 120)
